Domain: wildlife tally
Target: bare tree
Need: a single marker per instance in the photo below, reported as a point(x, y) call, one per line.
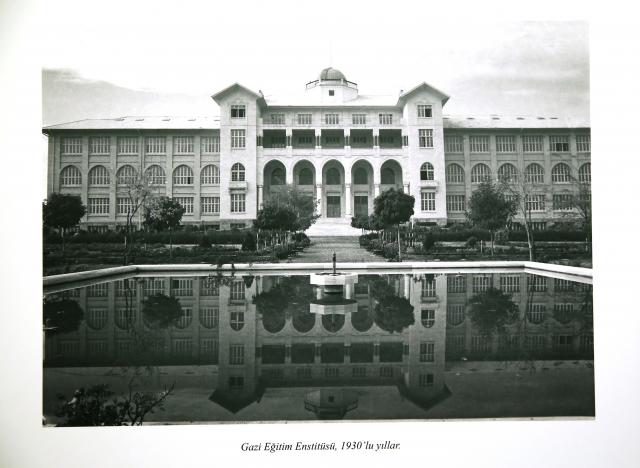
point(138, 191)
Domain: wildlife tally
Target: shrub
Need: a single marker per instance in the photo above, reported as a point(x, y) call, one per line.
point(205, 242)
point(428, 241)
point(281, 252)
point(390, 251)
point(249, 242)
point(472, 242)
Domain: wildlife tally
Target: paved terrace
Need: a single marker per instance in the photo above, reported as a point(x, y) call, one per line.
point(347, 249)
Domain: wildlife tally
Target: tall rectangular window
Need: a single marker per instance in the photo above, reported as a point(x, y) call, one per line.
point(210, 205)
point(238, 138)
point(534, 203)
point(210, 144)
point(532, 143)
point(456, 284)
point(424, 111)
point(183, 145)
point(428, 288)
point(238, 111)
point(99, 145)
point(331, 119)
point(156, 145)
point(453, 144)
point(237, 292)
point(427, 351)
point(583, 143)
point(510, 283)
point(304, 119)
point(359, 119)
point(479, 144)
point(456, 203)
point(128, 145)
point(562, 201)
point(385, 119)
point(277, 119)
point(236, 354)
point(71, 145)
point(124, 205)
point(99, 206)
point(481, 283)
point(186, 203)
point(559, 143)
point(425, 138)
point(428, 201)
point(537, 283)
point(506, 144)
point(425, 380)
point(237, 202)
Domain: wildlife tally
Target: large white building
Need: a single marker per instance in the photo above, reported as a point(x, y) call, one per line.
point(342, 147)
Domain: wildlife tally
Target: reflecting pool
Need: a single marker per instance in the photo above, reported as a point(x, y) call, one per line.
point(285, 348)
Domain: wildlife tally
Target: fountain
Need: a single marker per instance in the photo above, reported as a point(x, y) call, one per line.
point(334, 293)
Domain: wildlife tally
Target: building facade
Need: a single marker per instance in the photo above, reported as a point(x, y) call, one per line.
point(341, 147)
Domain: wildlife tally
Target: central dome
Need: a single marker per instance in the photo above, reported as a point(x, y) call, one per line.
point(331, 74)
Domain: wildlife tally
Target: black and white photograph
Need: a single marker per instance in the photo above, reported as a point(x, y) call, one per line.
point(329, 231)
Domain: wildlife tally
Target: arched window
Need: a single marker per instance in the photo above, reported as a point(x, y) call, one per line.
point(507, 172)
point(98, 175)
point(185, 318)
point(455, 174)
point(360, 176)
point(236, 320)
point(156, 175)
point(70, 176)
point(237, 173)
point(480, 173)
point(387, 176)
point(455, 314)
point(305, 177)
point(428, 317)
point(561, 173)
point(277, 176)
point(209, 317)
point(183, 175)
point(584, 174)
point(426, 171)
point(534, 173)
point(96, 318)
point(125, 318)
point(333, 176)
point(126, 175)
point(210, 175)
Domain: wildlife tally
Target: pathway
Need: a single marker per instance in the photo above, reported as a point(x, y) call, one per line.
point(347, 249)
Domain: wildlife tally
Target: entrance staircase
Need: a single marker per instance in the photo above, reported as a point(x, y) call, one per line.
point(334, 227)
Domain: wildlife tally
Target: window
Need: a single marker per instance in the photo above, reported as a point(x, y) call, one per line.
point(480, 173)
point(510, 283)
point(426, 171)
point(507, 173)
point(237, 173)
point(455, 174)
point(455, 314)
point(156, 175)
point(238, 138)
point(98, 206)
point(385, 119)
point(238, 203)
point(534, 174)
point(96, 318)
point(209, 317)
point(428, 287)
point(125, 288)
point(333, 176)
point(126, 175)
point(98, 175)
point(331, 119)
point(387, 139)
point(277, 119)
point(559, 143)
point(562, 285)
point(425, 138)
point(99, 145)
point(453, 144)
point(156, 145)
point(236, 354)
point(210, 205)
point(479, 144)
point(359, 119)
point(237, 291)
point(537, 283)
point(185, 318)
point(428, 201)
point(153, 286)
point(277, 176)
point(456, 203)
point(210, 175)
point(360, 176)
point(425, 380)
point(304, 119)
point(71, 145)
point(183, 145)
point(238, 111)
point(236, 383)
point(70, 176)
point(125, 318)
point(124, 205)
point(427, 351)
point(456, 284)
point(532, 143)
point(210, 144)
point(505, 144)
point(563, 313)
point(584, 173)
point(562, 343)
point(186, 203)
point(358, 372)
point(534, 202)
point(583, 143)
point(480, 344)
point(427, 317)
point(561, 174)
point(538, 225)
point(562, 201)
point(481, 283)
point(424, 111)
point(305, 177)
point(98, 290)
point(128, 145)
point(209, 286)
point(183, 175)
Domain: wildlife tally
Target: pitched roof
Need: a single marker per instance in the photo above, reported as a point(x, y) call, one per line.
point(141, 123)
point(512, 122)
point(220, 94)
point(426, 86)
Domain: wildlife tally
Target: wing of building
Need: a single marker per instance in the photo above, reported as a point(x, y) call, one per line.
point(342, 147)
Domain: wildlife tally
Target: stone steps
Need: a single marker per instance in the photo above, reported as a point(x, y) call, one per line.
point(333, 227)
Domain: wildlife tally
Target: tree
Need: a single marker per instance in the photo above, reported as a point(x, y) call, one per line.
point(394, 207)
point(491, 310)
point(489, 209)
point(394, 314)
point(161, 311)
point(138, 192)
point(302, 204)
point(62, 211)
point(164, 213)
point(274, 216)
point(61, 315)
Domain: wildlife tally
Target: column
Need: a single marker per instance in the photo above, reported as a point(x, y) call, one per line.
point(319, 198)
point(347, 200)
point(348, 291)
point(406, 188)
point(407, 286)
point(260, 197)
point(376, 190)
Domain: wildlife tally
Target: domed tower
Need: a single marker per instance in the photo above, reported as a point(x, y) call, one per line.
point(332, 87)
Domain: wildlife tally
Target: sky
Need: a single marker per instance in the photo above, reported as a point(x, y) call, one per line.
point(170, 61)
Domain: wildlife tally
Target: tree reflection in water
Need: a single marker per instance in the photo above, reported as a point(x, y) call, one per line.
point(61, 315)
point(491, 310)
point(288, 299)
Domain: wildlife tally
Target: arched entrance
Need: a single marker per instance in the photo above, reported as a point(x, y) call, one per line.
point(304, 177)
point(275, 179)
point(390, 175)
point(333, 199)
point(362, 188)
